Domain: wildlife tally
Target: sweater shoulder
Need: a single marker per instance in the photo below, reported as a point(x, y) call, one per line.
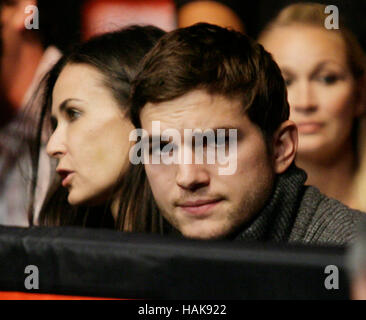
point(325, 221)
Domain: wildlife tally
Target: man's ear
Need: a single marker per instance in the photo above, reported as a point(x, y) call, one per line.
point(284, 146)
point(20, 15)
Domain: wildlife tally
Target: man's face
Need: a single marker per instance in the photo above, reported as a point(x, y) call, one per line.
point(195, 198)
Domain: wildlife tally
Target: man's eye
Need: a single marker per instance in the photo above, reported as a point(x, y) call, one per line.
point(200, 142)
point(158, 148)
point(211, 141)
point(222, 141)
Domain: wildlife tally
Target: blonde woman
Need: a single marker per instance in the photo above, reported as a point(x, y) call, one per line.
point(325, 75)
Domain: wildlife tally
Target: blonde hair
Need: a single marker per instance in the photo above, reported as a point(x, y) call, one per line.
point(313, 14)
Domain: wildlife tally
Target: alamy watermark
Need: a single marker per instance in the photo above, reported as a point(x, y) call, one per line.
point(31, 281)
point(208, 146)
point(32, 20)
point(332, 20)
point(331, 282)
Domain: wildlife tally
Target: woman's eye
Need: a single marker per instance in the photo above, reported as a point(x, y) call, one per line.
point(72, 114)
point(288, 82)
point(328, 79)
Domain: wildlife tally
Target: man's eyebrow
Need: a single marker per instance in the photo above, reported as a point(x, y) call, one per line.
point(226, 128)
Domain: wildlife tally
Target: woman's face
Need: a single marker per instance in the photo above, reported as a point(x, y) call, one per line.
point(90, 140)
point(321, 89)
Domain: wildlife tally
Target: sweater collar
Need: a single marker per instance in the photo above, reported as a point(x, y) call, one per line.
point(274, 222)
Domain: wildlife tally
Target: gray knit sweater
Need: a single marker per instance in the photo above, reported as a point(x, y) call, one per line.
point(298, 213)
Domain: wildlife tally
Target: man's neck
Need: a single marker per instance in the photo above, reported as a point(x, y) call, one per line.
point(18, 71)
point(275, 220)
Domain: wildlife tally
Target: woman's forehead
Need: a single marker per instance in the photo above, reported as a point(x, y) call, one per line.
point(78, 81)
point(298, 43)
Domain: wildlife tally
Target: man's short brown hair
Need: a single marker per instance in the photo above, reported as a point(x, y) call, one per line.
point(219, 61)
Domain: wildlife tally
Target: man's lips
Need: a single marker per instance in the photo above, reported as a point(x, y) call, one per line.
point(199, 207)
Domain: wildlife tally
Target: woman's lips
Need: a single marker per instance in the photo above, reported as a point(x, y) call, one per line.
point(66, 177)
point(67, 180)
point(309, 127)
point(200, 207)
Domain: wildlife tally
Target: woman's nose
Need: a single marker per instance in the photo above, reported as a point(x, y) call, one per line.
point(302, 98)
point(56, 147)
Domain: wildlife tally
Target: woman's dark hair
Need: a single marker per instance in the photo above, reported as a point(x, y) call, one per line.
point(117, 57)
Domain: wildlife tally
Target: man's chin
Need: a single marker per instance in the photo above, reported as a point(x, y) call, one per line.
point(204, 234)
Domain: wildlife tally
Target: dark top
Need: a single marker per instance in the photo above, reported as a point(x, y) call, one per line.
point(256, 14)
point(297, 213)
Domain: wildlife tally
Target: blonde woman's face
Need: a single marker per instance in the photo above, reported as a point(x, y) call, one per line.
point(321, 89)
point(90, 138)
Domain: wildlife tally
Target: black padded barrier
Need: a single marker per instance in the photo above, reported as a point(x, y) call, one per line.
point(106, 263)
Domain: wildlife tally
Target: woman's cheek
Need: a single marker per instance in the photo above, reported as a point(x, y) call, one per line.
point(340, 102)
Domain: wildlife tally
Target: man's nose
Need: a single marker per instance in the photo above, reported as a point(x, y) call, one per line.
point(302, 97)
point(56, 144)
point(192, 176)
